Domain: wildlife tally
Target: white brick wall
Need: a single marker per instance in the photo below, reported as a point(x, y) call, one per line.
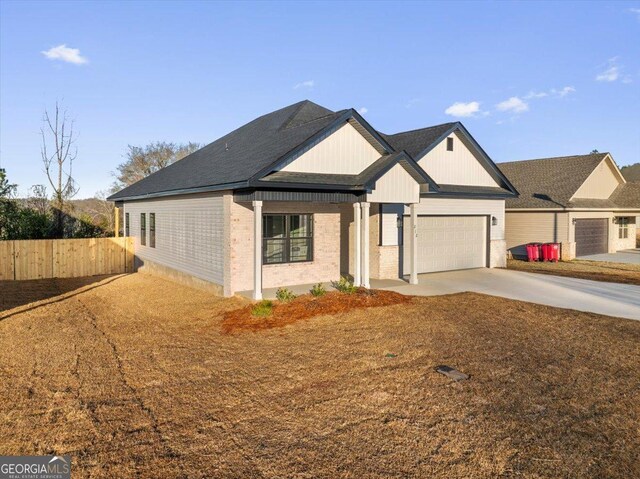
point(326, 254)
point(189, 233)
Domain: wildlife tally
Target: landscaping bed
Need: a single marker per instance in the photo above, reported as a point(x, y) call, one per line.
point(305, 307)
point(593, 270)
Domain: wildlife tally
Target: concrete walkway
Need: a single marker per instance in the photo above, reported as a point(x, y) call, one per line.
point(629, 256)
point(611, 299)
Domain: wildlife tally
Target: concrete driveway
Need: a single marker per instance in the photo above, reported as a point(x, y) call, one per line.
point(630, 256)
point(611, 299)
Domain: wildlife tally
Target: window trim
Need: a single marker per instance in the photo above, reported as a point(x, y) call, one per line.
point(287, 239)
point(143, 229)
point(623, 227)
point(127, 229)
point(450, 143)
point(152, 230)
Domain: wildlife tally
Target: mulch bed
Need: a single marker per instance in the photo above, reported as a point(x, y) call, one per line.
point(308, 306)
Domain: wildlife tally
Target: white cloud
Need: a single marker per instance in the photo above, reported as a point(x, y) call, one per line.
point(535, 94)
point(65, 54)
point(305, 84)
point(513, 104)
point(563, 92)
point(635, 11)
point(460, 109)
point(363, 110)
point(610, 74)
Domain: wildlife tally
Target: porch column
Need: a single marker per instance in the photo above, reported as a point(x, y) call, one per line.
point(257, 250)
point(413, 278)
point(356, 225)
point(365, 245)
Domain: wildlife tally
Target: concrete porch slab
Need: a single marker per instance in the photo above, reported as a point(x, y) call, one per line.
point(628, 256)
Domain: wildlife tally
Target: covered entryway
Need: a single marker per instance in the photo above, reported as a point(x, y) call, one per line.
point(592, 236)
point(447, 243)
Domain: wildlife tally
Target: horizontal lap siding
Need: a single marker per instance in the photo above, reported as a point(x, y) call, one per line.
point(189, 234)
point(525, 227)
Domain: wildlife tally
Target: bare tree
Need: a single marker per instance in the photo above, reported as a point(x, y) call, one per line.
point(38, 199)
point(58, 155)
point(142, 161)
point(105, 210)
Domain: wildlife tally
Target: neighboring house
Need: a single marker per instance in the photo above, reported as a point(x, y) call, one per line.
point(305, 194)
point(582, 202)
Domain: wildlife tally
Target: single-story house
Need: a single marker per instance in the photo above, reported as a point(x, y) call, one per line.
point(582, 202)
point(305, 194)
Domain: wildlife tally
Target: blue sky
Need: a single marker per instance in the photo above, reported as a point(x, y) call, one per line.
point(528, 80)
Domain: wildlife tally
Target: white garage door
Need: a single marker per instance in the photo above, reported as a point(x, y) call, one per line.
point(446, 243)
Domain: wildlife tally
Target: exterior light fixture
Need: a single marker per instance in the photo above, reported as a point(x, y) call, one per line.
point(494, 221)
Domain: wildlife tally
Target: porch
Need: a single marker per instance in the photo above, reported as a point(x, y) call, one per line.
point(296, 244)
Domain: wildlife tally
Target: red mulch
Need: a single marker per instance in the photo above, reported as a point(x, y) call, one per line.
point(308, 306)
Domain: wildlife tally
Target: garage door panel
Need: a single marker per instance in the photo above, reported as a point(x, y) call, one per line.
point(592, 236)
point(447, 243)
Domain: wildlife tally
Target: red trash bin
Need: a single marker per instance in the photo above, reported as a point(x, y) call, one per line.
point(553, 251)
point(545, 252)
point(533, 251)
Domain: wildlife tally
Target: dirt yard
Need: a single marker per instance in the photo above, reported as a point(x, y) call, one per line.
point(593, 270)
point(133, 377)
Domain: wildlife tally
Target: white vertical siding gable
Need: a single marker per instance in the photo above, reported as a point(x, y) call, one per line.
point(343, 151)
point(457, 167)
point(395, 186)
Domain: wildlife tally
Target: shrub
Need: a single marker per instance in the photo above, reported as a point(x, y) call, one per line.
point(285, 295)
point(318, 290)
point(345, 285)
point(263, 308)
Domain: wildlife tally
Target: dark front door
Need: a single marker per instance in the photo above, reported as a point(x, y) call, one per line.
point(592, 236)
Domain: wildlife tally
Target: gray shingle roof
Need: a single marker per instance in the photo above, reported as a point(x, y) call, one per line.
point(240, 154)
point(627, 195)
point(415, 141)
point(249, 151)
point(549, 182)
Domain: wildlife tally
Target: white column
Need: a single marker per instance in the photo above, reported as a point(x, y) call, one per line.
point(413, 278)
point(356, 225)
point(365, 245)
point(257, 250)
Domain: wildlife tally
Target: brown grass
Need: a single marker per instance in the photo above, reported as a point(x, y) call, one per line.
point(307, 306)
point(133, 378)
point(593, 270)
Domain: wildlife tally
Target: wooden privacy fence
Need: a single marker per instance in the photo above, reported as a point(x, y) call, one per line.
point(65, 258)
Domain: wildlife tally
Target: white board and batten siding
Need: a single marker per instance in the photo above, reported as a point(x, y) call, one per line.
point(457, 167)
point(395, 186)
point(342, 151)
point(189, 233)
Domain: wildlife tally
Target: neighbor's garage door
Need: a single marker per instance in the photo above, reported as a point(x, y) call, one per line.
point(447, 242)
point(592, 236)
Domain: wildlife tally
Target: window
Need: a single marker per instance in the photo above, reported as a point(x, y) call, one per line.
point(287, 238)
point(152, 230)
point(449, 144)
point(143, 229)
point(126, 225)
point(623, 227)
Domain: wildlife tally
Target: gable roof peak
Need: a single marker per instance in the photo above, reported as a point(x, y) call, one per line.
point(305, 112)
